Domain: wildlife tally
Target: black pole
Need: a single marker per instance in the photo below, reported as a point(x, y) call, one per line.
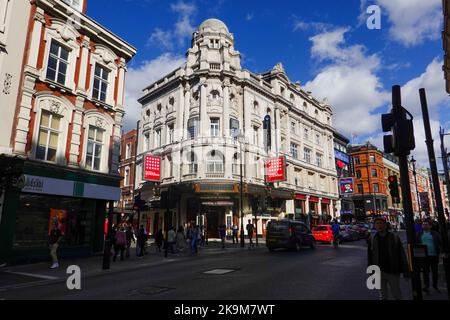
point(256, 226)
point(436, 187)
point(400, 114)
point(107, 247)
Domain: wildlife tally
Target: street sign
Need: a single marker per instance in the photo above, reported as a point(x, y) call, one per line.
point(152, 168)
point(346, 186)
point(276, 169)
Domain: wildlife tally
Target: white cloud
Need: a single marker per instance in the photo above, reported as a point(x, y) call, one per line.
point(349, 82)
point(140, 77)
point(183, 28)
point(249, 16)
point(412, 21)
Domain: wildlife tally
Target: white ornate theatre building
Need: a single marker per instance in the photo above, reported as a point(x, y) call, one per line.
point(62, 80)
point(191, 117)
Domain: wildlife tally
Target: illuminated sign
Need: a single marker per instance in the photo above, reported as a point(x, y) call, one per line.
point(346, 186)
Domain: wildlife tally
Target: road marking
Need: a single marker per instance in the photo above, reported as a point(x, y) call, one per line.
point(219, 271)
point(33, 275)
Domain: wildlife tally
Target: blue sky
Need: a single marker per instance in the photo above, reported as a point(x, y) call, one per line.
point(324, 44)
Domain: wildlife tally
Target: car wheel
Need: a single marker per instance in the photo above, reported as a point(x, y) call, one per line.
point(298, 246)
point(313, 244)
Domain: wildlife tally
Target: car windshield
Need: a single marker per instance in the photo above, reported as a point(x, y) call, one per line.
point(320, 228)
point(277, 226)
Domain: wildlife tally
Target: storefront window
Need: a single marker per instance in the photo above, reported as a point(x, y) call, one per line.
point(37, 212)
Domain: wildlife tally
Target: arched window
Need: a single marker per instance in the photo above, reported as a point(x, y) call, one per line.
point(215, 162)
point(292, 98)
point(215, 95)
point(255, 106)
point(235, 167)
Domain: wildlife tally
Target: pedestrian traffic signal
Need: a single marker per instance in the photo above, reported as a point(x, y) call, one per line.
point(393, 188)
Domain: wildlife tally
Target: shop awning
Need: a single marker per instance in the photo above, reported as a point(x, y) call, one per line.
point(326, 200)
point(300, 197)
point(313, 199)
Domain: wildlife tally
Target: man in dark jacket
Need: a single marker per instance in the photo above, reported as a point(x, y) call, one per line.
point(386, 251)
point(433, 242)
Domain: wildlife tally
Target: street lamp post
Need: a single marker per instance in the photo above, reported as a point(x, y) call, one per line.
point(413, 161)
point(241, 140)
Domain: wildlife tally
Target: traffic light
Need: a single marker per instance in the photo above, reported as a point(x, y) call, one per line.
point(393, 188)
point(401, 141)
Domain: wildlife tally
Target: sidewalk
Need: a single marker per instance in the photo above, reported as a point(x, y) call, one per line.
point(19, 276)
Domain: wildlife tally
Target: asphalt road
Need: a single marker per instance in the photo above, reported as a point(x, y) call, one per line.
point(323, 273)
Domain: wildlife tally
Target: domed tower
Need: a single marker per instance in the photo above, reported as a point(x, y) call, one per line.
point(212, 49)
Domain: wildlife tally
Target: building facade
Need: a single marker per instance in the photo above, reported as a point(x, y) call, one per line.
point(192, 118)
point(127, 168)
point(345, 208)
point(65, 131)
point(370, 181)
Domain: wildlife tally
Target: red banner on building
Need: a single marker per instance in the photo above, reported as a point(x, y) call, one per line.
point(300, 197)
point(276, 169)
point(152, 168)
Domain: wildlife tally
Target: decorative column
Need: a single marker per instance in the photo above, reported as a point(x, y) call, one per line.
point(288, 135)
point(276, 132)
point(77, 124)
point(226, 109)
point(186, 108)
point(204, 120)
point(85, 52)
point(121, 83)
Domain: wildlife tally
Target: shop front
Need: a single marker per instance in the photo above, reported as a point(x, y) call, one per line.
point(76, 200)
point(300, 207)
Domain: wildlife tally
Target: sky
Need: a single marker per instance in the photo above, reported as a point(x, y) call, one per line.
point(326, 45)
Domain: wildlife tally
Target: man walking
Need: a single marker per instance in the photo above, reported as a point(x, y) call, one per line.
point(432, 240)
point(234, 229)
point(53, 242)
point(141, 241)
point(250, 228)
point(170, 242)
point(386, 251)
point(222, 234)
point(335, 229)
point(130, 238)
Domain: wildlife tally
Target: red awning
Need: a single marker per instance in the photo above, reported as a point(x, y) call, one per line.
point(326, 201)
point(300, 197)
point(313, 199)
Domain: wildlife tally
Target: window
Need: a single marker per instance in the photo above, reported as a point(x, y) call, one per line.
point(57, 63)
point(306, 134)
point(215, 127)
point(360, 188)
point(146, 141)
point(317, 138)
point(215, 43)
point(358, 174)
point(128, 151)
point(126, 180)
point(48, 137)
point(234, 127)
point(170, 132)
point(170, 167)
point(214, 163)
point(372, 159)
point(235, 165)
point(307, 155)
point(100, 83)
point(282, 91)
point(294, 150)
point(255, 136)
point(293, 127)
point(357, 161)
point(192, 163)
point(94, 148)
point(158, 138)
point(376, 188)
point(374, 173)
point(319, 160)
point(77, 4)
point(215, 95)
point(193, 128)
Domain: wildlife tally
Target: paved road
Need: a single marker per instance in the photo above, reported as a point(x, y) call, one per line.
point(323, 273)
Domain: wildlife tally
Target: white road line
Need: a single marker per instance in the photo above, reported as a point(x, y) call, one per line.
point(33, 275)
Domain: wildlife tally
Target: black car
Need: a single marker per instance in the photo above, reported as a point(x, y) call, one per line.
point(289, 234)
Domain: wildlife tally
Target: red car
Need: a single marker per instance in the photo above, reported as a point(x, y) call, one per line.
point(323, 233)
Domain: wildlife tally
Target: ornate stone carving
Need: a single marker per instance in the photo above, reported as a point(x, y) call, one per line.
point(55, 107)
point(38, 16)
point(7, 84)
point(99, 122)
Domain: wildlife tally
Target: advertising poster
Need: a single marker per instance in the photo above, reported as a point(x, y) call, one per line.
point(346, 186)
point(60, 217)
point(276, 170)
point(152, 168)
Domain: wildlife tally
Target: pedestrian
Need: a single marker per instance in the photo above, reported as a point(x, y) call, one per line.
point(335, 229)
point(194, 240)
point(181, 239)
point(433, 242)
point(234, 230)
point(386, 251)
point(53, 242)
point(159, 237)
point(130, 238)
point(170, 241)
point(418, 226)
point(222, 234)
point(202, 236)
point(112, 237)
point(250, 228)
point(121, 242)
point(141, 241)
